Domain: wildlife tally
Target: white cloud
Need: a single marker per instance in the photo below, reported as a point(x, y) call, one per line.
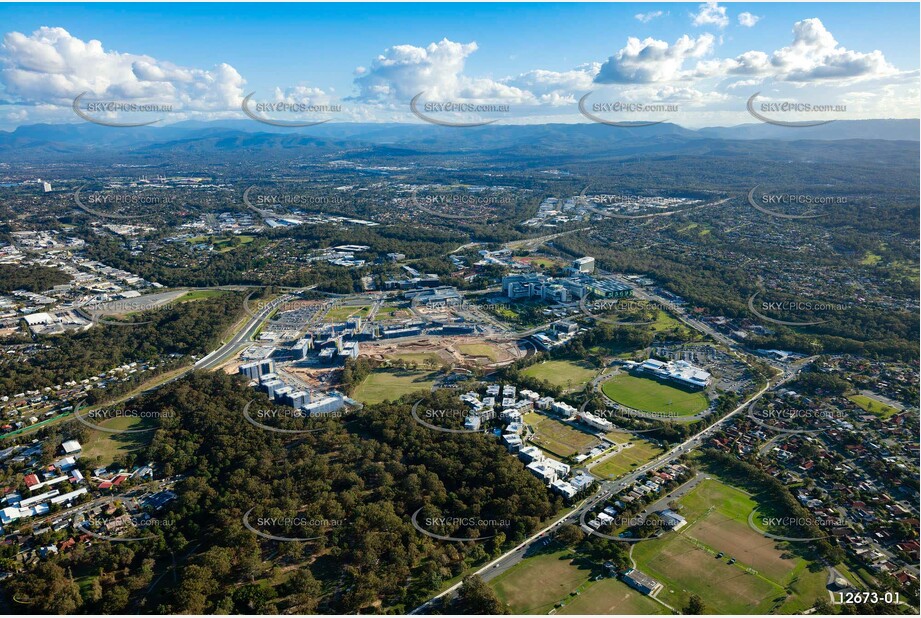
point(403, 71)
point(51, 65)
point(711, 14)
point(648, 17)
point(687, 97)
point(813, 56)
point(651, 60)
point(748, 20)
point(816, 55)
point(302, 94)
point(556, 87)
point(41, 73)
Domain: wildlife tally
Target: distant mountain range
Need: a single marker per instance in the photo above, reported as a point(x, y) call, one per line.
point(61, 141)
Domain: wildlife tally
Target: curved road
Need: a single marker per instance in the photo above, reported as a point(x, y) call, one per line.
point(516, 555)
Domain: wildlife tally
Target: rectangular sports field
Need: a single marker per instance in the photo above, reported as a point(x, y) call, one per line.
point(535, 585)
point(389, 384)
point(560, 439)
point(564, 373)
point(685, 562)
point(684, 569)
point(628, 459)
point(611, 596)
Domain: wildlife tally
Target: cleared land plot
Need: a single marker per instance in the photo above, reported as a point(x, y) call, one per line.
point(540, 261)
point(619, 436)
point(389, 384)
point(665, 322)
point(478, 349)
point(560, 439)
point(344, 312)
point(200, 294)
point(628, 459)
point(874, 406)
point(536, 584)
point(423, 359)
point(652, 396)
point(611, 596)
point(390, 312)
point(564, 373)
point(224, 244)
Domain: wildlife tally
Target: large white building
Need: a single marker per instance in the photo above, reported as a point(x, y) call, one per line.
point(542, 471)
point(681, 372)
point(584, 265)
point(595, 421)
point(325, 405)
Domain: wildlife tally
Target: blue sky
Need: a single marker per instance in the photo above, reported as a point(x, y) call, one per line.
point(538, 58)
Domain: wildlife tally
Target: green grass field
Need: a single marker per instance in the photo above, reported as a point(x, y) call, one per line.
point(665, 322)
point(535, 584)
point(200, 294)
point(389, 384)
point(344, 312)
point(565, 373)
point(477, 349)
point(651, 396)
point(686, 563)
point(560, 439)
point(391, 312)
point(539, 583)
point(628, 459)
point(874, 406)
point(684, 569)
point(541, 262)
point(502, 312)
point(223, 244)
point(422, 359)
point(611, 596)
point(644, 312)
point(107, 446)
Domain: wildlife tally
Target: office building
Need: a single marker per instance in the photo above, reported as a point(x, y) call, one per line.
point(257, 369)
point(584, 265)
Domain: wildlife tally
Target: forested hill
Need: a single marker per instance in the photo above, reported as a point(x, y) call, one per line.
point(359, 481)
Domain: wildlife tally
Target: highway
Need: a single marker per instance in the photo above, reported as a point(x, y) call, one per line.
point(242, 337)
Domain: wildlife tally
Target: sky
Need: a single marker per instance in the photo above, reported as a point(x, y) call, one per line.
point(696, 64)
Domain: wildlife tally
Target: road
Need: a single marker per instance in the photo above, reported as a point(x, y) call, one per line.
point(516, 555)
point(500, 564)
point(242, 337)
point(533, 243)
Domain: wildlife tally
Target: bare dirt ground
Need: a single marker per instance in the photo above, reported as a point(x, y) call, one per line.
point(316, 377)
point(446, 349)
